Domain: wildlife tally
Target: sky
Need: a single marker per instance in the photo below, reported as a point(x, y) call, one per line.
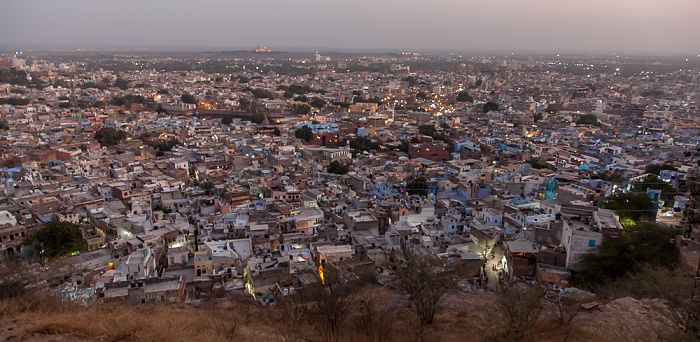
point(648, 26)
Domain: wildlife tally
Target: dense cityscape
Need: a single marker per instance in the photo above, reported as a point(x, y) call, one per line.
point(346, 196)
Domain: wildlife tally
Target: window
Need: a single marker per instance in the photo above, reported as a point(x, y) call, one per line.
point(591, 243)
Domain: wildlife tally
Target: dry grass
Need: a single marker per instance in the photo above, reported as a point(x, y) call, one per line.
point(123, 322)
point(466, 317)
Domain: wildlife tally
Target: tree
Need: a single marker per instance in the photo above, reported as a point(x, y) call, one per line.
point(518, 307)
point(188, 98)
point(14, 101)
point(60, 83)
point(587, 119)
point(610, 176)
point(364, 144)
point(537, 117)
point(426, 279)
point(653, 182)
point(374, 319)
point(553, 108)
point(657, 168)
point(404, 146)
point(244, 103)
point(301, 109)
point(463, 96)
point(58, 238)
point(207, 186)
point(632, 205)
point(337, 168)
point(639, 246)
point(411, 81)
point(168, 145)
point(301, 98)
point(490, 106)
point(260, 93)
point(160, 109)
point(257, 118)
point(121, 83)
point(317, 102)
point(108, 136)
point(418, 186)
point(128, 99)
point(536, 164)
point(304, 133)
point(227, 120)
point(332, 302)
point(428, 130)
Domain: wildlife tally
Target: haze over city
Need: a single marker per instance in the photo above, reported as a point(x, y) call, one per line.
point(643, 26)
point(383, 171)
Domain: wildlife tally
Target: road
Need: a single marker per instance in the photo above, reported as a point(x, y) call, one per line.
point(490, 273)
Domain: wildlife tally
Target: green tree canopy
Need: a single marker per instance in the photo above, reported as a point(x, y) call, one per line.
point(244, 103)
point(639, 246)
point(490, 106)
point(653, 182)
point(610, 176)
point(317, 102)
point(657, 168)
point(260, 93)
point(14, 101)
point(227, 120)
point(257, 118)
point(537, 117)
point(337, 168)
point(127, 100)
point(587, 119)
point(304, 133)
point(301, 109)
point(553, 108)
point(463, 96)
point(58, 238)
point(631, 205)
point(121, 83)
point(364, 144)
point(418, 186)
point(108, 136)
point(188, 98)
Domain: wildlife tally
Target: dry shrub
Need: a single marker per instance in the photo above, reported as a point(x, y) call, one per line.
point(145, 322)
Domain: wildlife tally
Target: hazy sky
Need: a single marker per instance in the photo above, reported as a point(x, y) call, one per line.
point(661, 26)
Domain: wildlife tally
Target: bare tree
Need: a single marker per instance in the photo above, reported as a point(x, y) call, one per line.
point(518, 306)
point(426, 279)
point(332, 302)
point(566, 310)
point(375, 320)
point(291, 314)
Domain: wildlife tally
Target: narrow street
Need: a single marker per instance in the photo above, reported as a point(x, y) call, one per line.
point(490, 273)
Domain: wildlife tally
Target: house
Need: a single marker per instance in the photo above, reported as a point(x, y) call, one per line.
point(521, 258)
point(171, 290)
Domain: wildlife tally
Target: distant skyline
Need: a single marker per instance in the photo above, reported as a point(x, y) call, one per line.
point(551, 26)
